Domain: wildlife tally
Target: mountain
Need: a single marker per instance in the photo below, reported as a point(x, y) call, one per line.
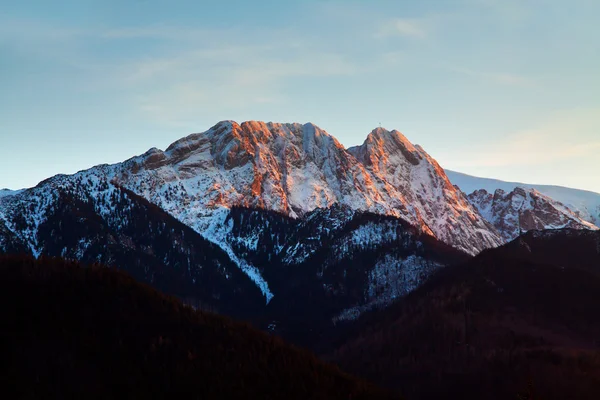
point(9, 242)
point(293, 169)
point(333, 264)
point(95, 333)
point(328, 265)
point(94, 221)
point(585, 204)
point(289, 169)
point(523, 210)
point(408, 179)
point(519, 320)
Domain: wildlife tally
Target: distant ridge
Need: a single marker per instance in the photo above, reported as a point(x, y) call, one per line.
point(586, 203)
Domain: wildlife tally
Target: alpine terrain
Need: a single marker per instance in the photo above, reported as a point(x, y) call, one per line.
point(523, 209)
point(369, 256)
point(515, 322)
point(570, 204)
point(291, 170)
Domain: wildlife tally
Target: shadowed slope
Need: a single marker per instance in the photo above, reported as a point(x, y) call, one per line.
point(491, 327)
point(96, 333)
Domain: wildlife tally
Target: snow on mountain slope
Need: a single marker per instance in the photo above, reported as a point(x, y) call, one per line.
point(584, 203)
point(91, 220)
point(412, 181)
point(23, 213)
point(525, 209)
point(334, 263)
point(294, 168)
point(217, 229)
point(291, 169)
point(9, 241)
point(391, 278)
point(99, 186)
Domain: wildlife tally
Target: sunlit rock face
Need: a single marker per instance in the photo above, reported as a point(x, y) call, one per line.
point(522, 209)
point(583, 203)
point(295, 168)
point(292, 169)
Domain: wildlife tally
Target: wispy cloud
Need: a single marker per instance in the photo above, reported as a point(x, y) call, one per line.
point(569, 134)
point(528, 148)
point(180, 70)
point(407, 27)
point(161, 32)
point(242, 78)
point(502, 78)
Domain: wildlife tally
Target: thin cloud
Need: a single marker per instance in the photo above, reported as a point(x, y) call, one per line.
point(496, 77)
point(407, 27)
point(160, 33)
point(530, 148)
point(200, 69)
point(241, 77)
point(568, 135)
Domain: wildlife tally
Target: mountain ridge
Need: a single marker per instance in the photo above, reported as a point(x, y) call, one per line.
point(525, 209)
point(294, 168)
point(585, 203)
point(514, 319)
point(288, 168)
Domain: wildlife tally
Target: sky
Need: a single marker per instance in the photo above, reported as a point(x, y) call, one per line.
point(506, 89)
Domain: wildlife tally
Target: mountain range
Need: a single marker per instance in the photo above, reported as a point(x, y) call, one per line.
point(96, 333)
point(372, 256)
point(582, 203)
point(518, 319)
point(264, 198)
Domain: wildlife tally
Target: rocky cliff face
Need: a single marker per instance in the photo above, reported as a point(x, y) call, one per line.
point(294, 169)
point(585, 204)
point(416, 188)
point(525, 209)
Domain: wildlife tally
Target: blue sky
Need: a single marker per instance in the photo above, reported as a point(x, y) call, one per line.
point(507, 89)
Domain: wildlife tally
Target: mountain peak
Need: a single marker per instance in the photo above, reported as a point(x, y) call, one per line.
point(382, 144)
point(226, 123)
point(394, 135)
point(294, 168)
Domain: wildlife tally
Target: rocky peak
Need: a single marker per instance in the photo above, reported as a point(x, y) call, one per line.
point(296, 168)
point(381, 144)
point(481, 192)
point(498, 193)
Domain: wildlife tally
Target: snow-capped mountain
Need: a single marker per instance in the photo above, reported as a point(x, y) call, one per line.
point(585, 204)
point(94, 221)
point(328, 265)
point(415, 187)
point(523, 209)
point(290, 169)
point(293, 169)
